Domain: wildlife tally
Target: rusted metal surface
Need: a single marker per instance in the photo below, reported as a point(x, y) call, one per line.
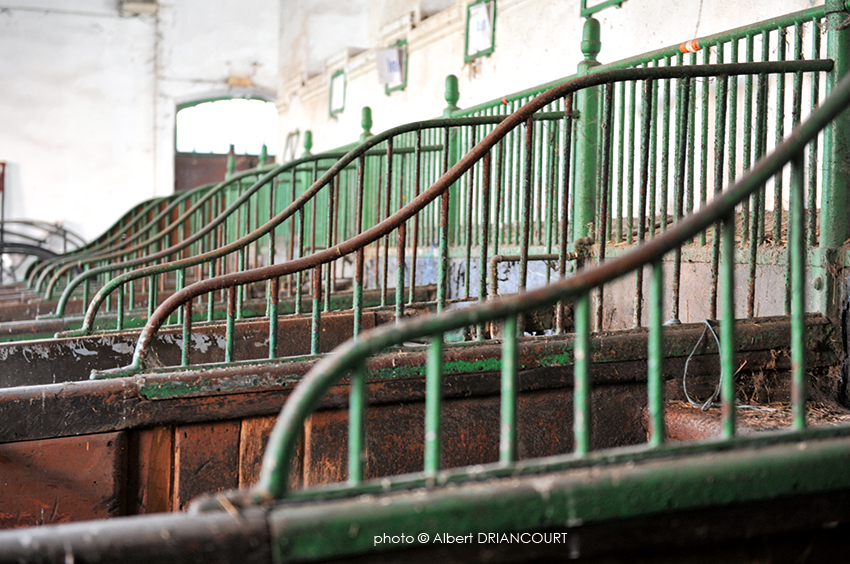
point(260, 388)
point(73, 358)
point(29, 311)
point(165, 539)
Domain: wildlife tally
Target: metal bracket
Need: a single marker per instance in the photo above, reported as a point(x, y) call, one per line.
point(587, 12)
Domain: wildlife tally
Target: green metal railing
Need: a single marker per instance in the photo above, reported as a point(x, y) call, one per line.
point(497, 196)
point(362, 188)
point(350, 360)
point(656, 174)
point(541, 202)
point(141, 239)
point(182, 229)
point(129, 223)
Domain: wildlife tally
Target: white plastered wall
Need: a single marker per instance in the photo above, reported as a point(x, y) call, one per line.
point(88, 96)
point(536, 41)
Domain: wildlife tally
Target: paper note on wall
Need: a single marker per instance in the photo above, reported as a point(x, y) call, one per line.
point(480, 28)
point(390, 70)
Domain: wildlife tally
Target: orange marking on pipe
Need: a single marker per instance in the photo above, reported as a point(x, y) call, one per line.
point(691, 46)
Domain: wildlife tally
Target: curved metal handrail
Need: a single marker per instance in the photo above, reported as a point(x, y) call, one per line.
point(156, 238)
point(52, 229)
point(332, 368)
point(109, 236)
point(137, 227)
point(176, 265)
point(385, 227)
point(61, 268)
point(343, 162)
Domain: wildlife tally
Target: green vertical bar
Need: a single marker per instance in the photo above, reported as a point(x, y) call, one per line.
point(653, 162)
point(510, 366)
point(300, 251)
point(107, 303)
point(357, 424)
point(240, 292)
point(733, 121)
point(445, 210)
point(797, 258)
point(399, 271)
point(630, 184)
point(271, 311)
point(587, 137)
point(813, 146)
point(151, 294)
point(526, 216)
point(185, 353)
point(211, 295)
point(665, 152)
point(780, 133)
point(762, 201)
point(721, 103)
point(621, 140)
point(85, 289)
point(727, 327)
point(357, 298)
point(119, 309)
point(703, 168)
point(316, 328)
point(581, 385)
point(691, 147)
point(180, 277)
point(485, 238)
point(655, 362)
point(230, 324)
point(835, 194)
point(433, 401)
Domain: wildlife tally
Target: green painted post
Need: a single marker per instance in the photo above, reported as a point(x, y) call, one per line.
point(433, 405)
point(308, 143)
point(449, 212)
point(231, 163)
point(510, 381)
point(357, 424)
point(365, 123)
point(581, 377)
point(587, 136)
point(835, 197)
point(264, 155)
point(452, 95)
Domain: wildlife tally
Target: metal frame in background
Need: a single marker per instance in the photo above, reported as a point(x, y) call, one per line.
point(331, 110)
point(402, 45)
point(587, 12)
point(467, 56)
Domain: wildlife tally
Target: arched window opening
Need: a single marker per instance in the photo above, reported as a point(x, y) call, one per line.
point(208, 132)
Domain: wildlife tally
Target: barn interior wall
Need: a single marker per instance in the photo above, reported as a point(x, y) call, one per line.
point(89, 92)
point(88, 95)
point(536, 41)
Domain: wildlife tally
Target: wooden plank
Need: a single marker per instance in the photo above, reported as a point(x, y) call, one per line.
point(150, 470)
point(255, 433)
point(206, 460)
point(325, 447)
point(252, 447)
point(62, 480)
